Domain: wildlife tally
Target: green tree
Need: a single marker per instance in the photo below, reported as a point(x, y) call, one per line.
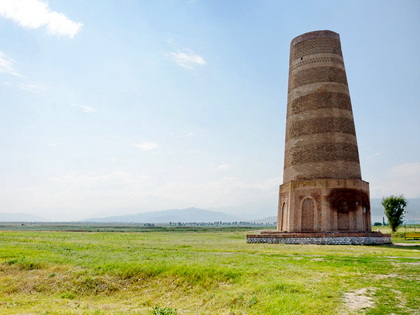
point(394, 208)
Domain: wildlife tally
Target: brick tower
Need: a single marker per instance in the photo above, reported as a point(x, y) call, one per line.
point(323, 195)
point(322, 187)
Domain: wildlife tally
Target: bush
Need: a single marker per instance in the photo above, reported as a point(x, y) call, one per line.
point(163, 311)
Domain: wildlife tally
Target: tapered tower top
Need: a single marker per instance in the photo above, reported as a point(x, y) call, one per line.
point(314, 35)
point(320, 133)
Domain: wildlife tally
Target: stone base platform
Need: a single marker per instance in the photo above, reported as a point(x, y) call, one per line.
point(320, 238)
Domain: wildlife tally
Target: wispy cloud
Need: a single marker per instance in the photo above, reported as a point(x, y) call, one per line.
point(147, 146)
point(222, 167)
point(400, 179)
point(226, 191)
point(374, 155)
point(91, 179)
point(186, 58)
point(6, 65)
point(406, 169)
point(85, 109)
point(31, 87)
point(36, 13)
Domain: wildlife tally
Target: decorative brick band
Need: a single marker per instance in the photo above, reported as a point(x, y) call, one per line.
point(316, 45)
point(320, 138)
point(319, 100)
point(310, 62)
point(320, 125)
point(320, 170)
point(317, 87)
point(319, 74)
point(313, 35)
point(322, 152)
point(325, 238)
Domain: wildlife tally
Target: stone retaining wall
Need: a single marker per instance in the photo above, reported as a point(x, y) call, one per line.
point(321, 238)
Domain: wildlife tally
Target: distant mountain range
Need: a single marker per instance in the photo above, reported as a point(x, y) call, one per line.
point(270, 220)
point(201, 215)
point(20, 217)
point(166, 216)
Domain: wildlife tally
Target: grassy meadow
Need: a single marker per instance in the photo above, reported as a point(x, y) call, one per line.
point(200, 271)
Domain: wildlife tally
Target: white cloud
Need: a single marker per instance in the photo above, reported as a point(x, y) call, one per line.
point(93, 181)
point(31, 87)
point(6, 65)
point(227, 191)
point(374, 155)
point(85, 109)
point(223, 167)
point(36, 13)
point(406, 170)
point(78, 195)
point(147, 146)
point(135, 189)
point(400, 179)
point(186, 58)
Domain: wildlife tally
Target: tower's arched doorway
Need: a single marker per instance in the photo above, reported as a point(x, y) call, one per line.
point(308, 214)
point(343, 220)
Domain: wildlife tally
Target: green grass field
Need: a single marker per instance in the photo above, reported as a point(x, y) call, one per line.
point(209, 271)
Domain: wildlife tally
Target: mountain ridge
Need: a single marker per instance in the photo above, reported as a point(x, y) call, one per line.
point(193, 214)
point(172, 215)
point(20, 217)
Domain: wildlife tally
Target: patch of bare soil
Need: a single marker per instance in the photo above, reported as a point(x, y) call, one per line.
point(358, 301)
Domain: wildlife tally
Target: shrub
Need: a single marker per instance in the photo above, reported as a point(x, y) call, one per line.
point(163, 311)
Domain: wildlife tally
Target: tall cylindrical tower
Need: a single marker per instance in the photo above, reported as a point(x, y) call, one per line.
point(320, 133)
point(322, 188)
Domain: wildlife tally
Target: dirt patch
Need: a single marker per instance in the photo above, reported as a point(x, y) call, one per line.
point(358, 300)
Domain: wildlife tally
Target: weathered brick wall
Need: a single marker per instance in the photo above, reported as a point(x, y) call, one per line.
point(320, 100)
point(320, 152)
point(315, 42)
point(320, 133)
point(326, 213)
point(318, 74)
point(321, 125)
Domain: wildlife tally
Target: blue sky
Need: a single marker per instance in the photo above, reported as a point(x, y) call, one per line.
point(118, 107)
